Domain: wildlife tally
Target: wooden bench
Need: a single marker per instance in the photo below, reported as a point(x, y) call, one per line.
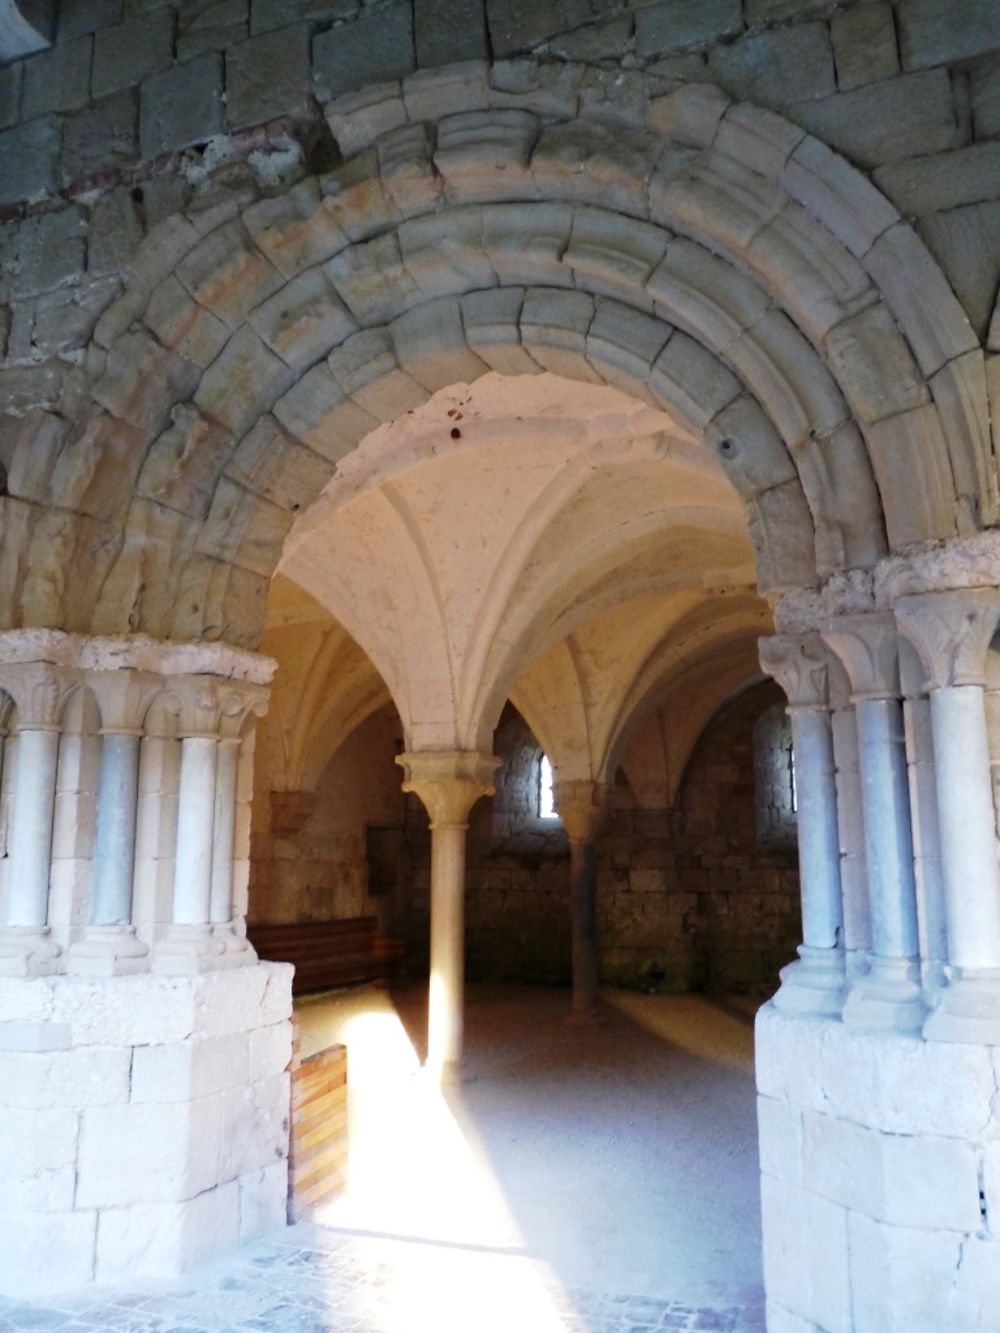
point(330, 953)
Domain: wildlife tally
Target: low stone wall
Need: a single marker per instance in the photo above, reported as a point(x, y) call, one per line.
point(144, 1122)
point(880, 1160)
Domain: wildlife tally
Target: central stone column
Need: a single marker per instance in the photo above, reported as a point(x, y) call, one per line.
point(448, 782)
point(814, 984)
point(889, 994)
point(952, 632)
point(582, 806)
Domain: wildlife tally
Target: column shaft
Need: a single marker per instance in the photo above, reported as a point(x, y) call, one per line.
point(224, 837)
point(819, 848)
point(31, 840)
point(583, 925)
point(931, 910)
point(195, 827)
point(118, 794)
point(444, 1019)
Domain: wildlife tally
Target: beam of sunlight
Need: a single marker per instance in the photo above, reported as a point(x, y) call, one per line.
point(693, 1023)
point(418, 1179)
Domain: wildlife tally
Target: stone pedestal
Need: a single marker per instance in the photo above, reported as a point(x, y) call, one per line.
point(874, 1149)
point(143, 1122)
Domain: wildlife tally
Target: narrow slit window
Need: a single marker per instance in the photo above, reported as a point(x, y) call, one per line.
point(546, 798)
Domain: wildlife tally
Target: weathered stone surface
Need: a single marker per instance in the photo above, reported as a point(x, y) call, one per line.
point(875, 365)
point(688, 115)
point(58, 79)
point(554, 328)
point(143, 380)
point(115, 233)
point(447, 35)
point(430, 344)
point(473, 146)
point(227, 275)
point(50, 252)
point(242, 383)
point(366, 369)
point(183, 465)
point(30, 155)
point(407, 170)
point(293, 229)
point(10, 94)
point(431, 94)
point(244, 529)
point(375, 48)
point(777, 67)
point(270, 463)
point(357, 119)
point(888, 121)
point(100, 139)
point(688, 380)
point(492, 330)
point(922, 506)
point(547, 90)
point(963, 241)
point(210, 27)
point(371, 279)
point(595, 42)
point(933, 32)
point(320, 414)
point(267, 14)
point(864, 45)
point(445, 253)
point(183, 325)
point(181, 106)
point(96, 470)
point(303, 321)
point(528, 247)
point(673, 25)
point(267, 76)
point(129, 52)
point(64, 320)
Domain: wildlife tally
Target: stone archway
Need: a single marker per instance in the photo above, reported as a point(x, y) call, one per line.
point(721, 266)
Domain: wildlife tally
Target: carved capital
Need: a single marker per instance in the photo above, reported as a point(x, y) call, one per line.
point(210, 706)
point(951, 632)
point(123, 698)
point(240, 705)
point(868, 648)
point(582, 807)
point(40, 691)
point(449, 782)
point(800, 665)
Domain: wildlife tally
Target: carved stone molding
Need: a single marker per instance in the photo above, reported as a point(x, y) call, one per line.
point(868, 647)
point(449, 782)
point(799, 663)
point(952, 633)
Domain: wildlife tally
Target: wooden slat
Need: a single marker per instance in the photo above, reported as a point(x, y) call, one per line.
point(317, 1161)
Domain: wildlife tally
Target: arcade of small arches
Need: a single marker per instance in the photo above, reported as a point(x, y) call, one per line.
point(512, 436)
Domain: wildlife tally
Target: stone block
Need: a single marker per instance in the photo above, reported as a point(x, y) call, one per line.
point(270, 1051)
point(57, 79)
point(961, 240)
point(210, 27)
point(129, 52)
point(293, 229)
point(596, 42)
point(358, 119)
point(550, 90)
point(444, 254)
point(320, 414)
point(984, 90)
point(888, 121)
point(263, 1200)
point(929, 1183)
point(183, 325)
point(271, 464)
point(492, 330)
point(101, 492)
point(267, 77)
point(100, 139)
point(776, 67)
point(143, 380)
point(757, 139)
point(937, 32)
point(940, 181)
point(673, 25)
point(779, 1136)
point(88, 17)
point(242, 382)
point(447, 35)
point(473, 147)
point(797, 1227)
point(430, 345)
point(900, 1278)
point(115, 233)
point(250, 532)
point(875, 364)
point(10, 94)
point(303, 321)
point(181, 106)
point(372, 280)
point(515, 27)
point(37, 1036)
point(50, 252)
point(613, 255)
point(255, 1125)
point(187, 1071)
point(624, 343)
point(30, 154)
point(165, 1239)
point(375, 48)
point(554, 328)
point(366, 369)
point(838, 195)
point(864, 45)
point(146, 1153)
point(28, 1242)
point(227, 275)
point(183, 464)
point(690, 381)
point(96, 1077)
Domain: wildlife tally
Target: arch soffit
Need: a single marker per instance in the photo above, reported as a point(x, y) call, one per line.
point(747, 279)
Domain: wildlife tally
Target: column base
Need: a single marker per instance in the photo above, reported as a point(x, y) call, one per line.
point(107, 951)
point(814, 985)
point(968, 1008)
point(888, 998)
point(29, 951)
point(239, 952)
point(583, 1018)
point(186, 950)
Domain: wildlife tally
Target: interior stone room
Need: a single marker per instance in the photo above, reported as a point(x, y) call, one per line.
point(498, 537)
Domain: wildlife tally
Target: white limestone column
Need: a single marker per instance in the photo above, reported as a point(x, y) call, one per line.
point(815, 983)
point(239, 706)
point(40, 691)
point(952, 632)
point(850, 823)
point(582, 805)
point(448, 782)
point(889, 994)
point(931, 915)
point(188, 944)
point(109, 946)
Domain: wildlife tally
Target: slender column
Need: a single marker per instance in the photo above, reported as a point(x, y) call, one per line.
point(449, 782)
point(931, 918)
point(889, 994)
point(109, 946)
point(40, 691)
point(188, 944)
point(850, 824)
point(952, 632)
point(582, 806)
point(815, 983)
point(238, 706)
